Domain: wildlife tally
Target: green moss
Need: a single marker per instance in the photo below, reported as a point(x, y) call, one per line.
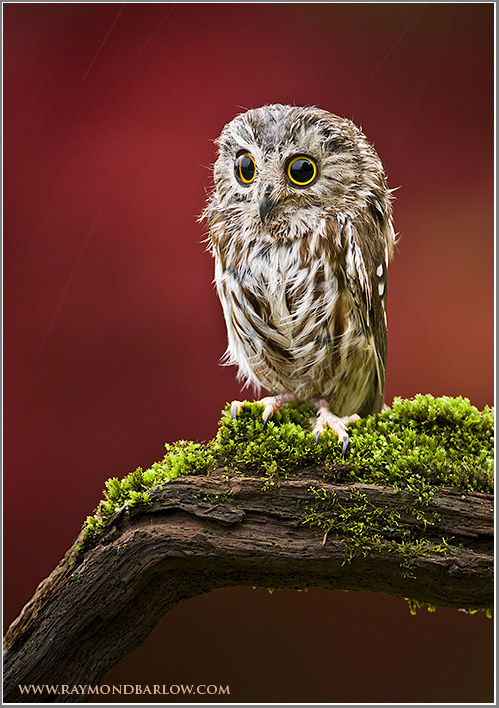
point(133, 490)
point(359, 524)
point(415, 605)
point(437, 441)
point(417, 445)
point(363, 527)
point(441, 441)
point(277, 447)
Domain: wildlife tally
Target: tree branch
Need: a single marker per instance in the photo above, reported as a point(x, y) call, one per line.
point(224, 529)
point(408, 512)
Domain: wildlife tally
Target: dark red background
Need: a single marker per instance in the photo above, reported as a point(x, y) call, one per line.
point(113, 331)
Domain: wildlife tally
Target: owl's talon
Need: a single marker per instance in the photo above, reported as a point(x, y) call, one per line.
point(338, 425)
point(272, 404)
point(267, 414)
point(236, 408)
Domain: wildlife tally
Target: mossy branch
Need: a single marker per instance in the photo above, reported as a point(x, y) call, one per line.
point(407, 512)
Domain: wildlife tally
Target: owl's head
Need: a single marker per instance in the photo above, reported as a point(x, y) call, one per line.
point(279, 161)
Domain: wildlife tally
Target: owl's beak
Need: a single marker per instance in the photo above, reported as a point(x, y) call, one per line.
point(265, 201)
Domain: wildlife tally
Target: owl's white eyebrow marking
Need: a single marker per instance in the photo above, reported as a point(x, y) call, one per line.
point(381, 288)
point(379, 270)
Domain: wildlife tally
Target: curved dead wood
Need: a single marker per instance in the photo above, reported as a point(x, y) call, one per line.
point(219, 531)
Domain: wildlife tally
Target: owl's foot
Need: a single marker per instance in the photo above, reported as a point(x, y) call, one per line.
point(271, 405)
point(329, 420)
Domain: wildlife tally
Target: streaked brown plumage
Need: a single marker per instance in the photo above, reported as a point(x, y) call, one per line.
point(301, 232)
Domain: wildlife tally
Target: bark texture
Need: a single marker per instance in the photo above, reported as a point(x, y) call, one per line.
point(222, 530)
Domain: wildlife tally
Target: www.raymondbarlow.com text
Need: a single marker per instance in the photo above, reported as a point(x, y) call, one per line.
point(125, 689)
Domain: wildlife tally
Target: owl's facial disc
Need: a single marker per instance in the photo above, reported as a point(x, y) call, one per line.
point(277, 180)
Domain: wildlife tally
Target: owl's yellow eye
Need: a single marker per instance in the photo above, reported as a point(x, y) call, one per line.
point(301, 170)
point(245, 168)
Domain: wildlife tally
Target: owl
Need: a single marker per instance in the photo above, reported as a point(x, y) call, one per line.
point(300, 228)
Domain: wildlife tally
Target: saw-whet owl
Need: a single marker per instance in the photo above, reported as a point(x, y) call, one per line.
point(300, 228)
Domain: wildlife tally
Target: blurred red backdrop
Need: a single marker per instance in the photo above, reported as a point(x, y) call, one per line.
point(113, 331)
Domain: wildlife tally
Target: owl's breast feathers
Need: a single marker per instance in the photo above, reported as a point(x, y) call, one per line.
point(303, 313)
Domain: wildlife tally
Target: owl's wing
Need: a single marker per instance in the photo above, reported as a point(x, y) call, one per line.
point(367, 253)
